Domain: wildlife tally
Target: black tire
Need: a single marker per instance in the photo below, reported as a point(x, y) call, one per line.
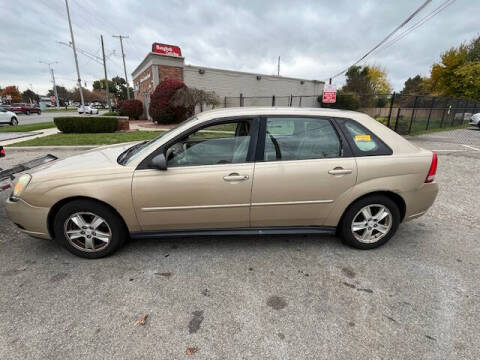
point(13, 121)
point(119, 233)
point(39, 112)
point(27, 112)
point(353, 211)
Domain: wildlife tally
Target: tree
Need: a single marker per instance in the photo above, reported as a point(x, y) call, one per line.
point(121, 88)
point(100, 85)
point(131, 108)
point(30, 96)
point(378, 79)
point(414, 86)
point(12, 91)
point(191, 97)
point(358, 82)
point(64, 95)
point(457, 73)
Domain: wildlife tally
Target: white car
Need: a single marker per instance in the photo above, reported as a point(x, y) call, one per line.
point(87, 110)
point(8, 117)
point(475, 120)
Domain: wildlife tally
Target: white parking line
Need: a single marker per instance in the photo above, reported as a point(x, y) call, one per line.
point(471, 147)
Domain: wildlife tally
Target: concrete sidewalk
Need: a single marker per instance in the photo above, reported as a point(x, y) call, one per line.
point(42, 133)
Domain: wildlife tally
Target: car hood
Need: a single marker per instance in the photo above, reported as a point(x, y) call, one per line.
point(101, 160)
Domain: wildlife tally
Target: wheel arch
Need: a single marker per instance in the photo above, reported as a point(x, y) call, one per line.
point(57, 206)
point(397, 199)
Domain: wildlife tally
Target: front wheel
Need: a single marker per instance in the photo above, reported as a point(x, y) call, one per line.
point(13, 121)
point(39, 112)
point(370, 222)
point(89, 229)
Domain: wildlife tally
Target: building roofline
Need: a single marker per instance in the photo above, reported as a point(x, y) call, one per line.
point(149, 54)
point(252, 73)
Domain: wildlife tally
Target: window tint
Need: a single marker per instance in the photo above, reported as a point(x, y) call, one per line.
point(364, 141)
point(217, 144)
point(300, 138)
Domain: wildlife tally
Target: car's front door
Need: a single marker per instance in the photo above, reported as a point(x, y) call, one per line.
point(207, 183)
point(4, 118)
point(303, 170)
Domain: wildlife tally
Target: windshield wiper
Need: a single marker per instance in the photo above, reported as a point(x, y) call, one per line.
point(123, 157)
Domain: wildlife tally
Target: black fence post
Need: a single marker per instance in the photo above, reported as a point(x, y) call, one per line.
point(464, 110)
point(413, 115)
point(291, 99)
point(454, 112)
point(273, 100)
point(430, 114)
point(241, 99)
point(396, 120)
point(225, 102)
point(443, 117)
point(300, 102)
point(392, 99)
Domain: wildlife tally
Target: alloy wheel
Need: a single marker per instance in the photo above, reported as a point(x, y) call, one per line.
point(87, 231)
point(372, 223)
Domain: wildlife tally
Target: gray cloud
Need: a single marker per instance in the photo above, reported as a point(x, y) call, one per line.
point(314, 38)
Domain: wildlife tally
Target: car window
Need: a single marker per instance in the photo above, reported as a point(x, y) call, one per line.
point(300, 138)
point(225, 143)
point(363, 140)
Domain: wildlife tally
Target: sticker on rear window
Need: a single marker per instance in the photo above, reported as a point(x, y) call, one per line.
point(363, 138)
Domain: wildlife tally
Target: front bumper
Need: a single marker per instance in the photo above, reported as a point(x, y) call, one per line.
point(31, 220)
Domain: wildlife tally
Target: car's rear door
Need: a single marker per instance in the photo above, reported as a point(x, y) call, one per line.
point(207, 184)
point(303, 165)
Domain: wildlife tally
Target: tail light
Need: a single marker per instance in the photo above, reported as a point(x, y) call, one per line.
point(2, 152)
point(433, 169)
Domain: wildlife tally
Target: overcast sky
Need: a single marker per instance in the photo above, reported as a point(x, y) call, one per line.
point(315, 39)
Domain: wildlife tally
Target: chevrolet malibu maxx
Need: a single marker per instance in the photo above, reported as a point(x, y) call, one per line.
point(233, 172)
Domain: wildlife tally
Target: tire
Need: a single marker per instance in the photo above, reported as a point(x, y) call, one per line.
point(14, 121)
point(39, 112)
point(373, 233)
point(109, 223)
point(27, 112)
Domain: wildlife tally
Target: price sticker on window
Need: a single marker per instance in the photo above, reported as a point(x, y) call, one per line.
point(363, 138)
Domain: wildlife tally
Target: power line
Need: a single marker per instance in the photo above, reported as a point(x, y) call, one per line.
point(407, 20)
point(419, 23)
point(121, 37)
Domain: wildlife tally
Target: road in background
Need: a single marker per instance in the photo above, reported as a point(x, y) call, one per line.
point(45, 116)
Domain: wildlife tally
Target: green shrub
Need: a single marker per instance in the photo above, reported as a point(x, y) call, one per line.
point(83, 124)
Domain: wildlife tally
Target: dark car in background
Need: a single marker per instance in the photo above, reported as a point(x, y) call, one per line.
point(26, 109)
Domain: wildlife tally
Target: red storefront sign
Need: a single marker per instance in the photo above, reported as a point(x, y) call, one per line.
point(166, 49)
point(329, 94)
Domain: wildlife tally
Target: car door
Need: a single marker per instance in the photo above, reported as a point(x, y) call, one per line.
point(304, 167)
point(208, 181)
point(4, 118)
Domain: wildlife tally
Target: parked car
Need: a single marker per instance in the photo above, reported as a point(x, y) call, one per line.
point(234, 172)
point(8, 117)
point(87, 110)
point(26, 109)
point(475, 120)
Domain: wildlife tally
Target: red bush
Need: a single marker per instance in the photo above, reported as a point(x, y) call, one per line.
point(161, 110)
point(131, 108)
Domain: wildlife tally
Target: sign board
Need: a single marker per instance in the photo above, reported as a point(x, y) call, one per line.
point(8, 97)
point(52, 99)
point(329, 94)
point(165, 49)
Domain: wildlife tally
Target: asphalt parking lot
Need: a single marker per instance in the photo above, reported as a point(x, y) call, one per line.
point(275, 297)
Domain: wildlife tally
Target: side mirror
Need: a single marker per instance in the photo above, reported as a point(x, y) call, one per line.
point(159, 162)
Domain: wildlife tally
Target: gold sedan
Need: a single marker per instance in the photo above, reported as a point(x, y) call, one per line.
point(233, 171)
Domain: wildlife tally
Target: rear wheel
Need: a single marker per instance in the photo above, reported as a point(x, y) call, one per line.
point(27, 112)
point(39, 112)
point(370, 222)
point(89, 229)
point(13, 121)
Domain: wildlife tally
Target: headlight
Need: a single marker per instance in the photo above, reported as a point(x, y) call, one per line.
point(21, 185)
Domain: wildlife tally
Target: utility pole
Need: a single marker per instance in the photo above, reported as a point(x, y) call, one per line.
point(121, 37)
point(278, 67)
point(105, 69)
point(75, 55)
point(57, 100)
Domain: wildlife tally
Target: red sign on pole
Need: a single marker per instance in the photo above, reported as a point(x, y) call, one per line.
point(53, 100)
point(166, 49)
point(329, 94)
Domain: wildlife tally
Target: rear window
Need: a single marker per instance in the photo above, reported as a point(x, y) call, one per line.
point(362, 140)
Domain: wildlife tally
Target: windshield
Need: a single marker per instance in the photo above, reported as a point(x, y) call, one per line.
point(139, 150)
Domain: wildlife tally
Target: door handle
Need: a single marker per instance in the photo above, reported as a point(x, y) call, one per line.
point(339, 171)
point(235, 177)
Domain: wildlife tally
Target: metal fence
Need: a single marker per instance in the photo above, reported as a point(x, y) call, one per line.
point(410, 114)
point(405, 114)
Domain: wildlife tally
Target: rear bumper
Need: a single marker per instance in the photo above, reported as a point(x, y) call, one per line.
point(419, 201)
point(29, 219)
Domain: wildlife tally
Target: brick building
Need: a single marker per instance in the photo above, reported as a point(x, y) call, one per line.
point(166, 61)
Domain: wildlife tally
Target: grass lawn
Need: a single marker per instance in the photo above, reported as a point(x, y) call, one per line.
point(89, 139)
point(27, 127)
point(59, 110)
point(438, 129)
